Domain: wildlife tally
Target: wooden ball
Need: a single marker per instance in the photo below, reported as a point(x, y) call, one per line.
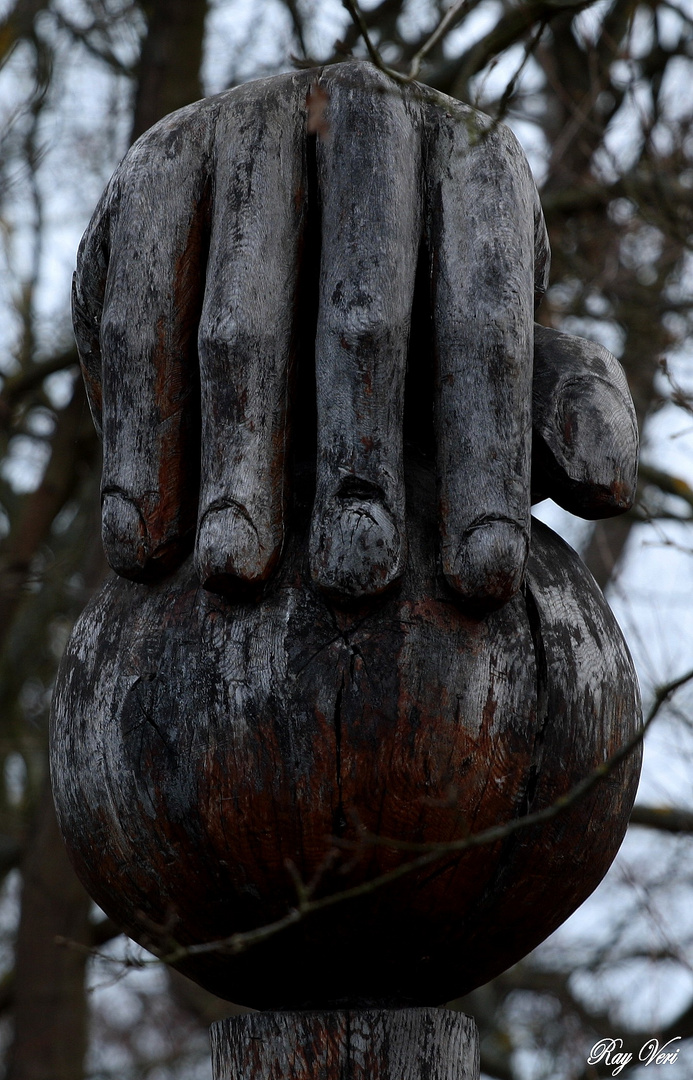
point(201, 743)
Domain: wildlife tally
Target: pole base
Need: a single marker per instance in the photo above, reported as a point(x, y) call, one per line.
point(369, 1044)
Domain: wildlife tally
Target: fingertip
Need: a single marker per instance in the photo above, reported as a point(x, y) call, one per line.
point(585, 427)
point(131, 549)
point(356, 549)
point(125, 536)
point(230, 550)
point(488, 566)
point(597, 450)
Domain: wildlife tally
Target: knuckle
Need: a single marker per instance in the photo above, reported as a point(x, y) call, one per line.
point(217, 335)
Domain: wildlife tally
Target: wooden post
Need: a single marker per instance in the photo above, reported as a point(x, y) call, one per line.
point(387, 1044)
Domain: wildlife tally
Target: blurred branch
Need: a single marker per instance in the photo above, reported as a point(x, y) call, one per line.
point(384, 16)
point(23, 382)
point(355, 12)
point(50, 1027)
point(72, 447)
point(297, 22)
point(453, 15)
point(19, 24)
point(663, 818)
point(513, 25)
point(169, 951)
point(85, 36)
point(671, 485)
point(450, 19)
point(170, 61)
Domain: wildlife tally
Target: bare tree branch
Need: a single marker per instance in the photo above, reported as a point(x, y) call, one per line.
point(664, 818)
point(168, 951)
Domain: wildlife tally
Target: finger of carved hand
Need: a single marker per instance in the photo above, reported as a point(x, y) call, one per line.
point(481, 234)
point(542, 253)
point(368, 156)
point(585, 451)
point(247, 332)
point(158, 210)
point(88, 289)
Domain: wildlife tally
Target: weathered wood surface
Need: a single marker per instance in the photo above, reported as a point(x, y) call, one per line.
point(346, 350)
point(484, 216)
point(306, 217)
point(199, 743)
point(402, 1044)
point(585, 429)
point(370, 234)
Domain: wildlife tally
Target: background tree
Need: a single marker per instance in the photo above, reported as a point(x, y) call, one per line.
point(599, 95)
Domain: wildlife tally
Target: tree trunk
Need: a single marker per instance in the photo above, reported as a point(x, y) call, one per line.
point(169, 70)
point(49, 998)
point(49, 995)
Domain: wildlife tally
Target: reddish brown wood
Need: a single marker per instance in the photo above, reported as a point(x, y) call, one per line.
point(241, 231)
point(325, 681)
point(199, 743)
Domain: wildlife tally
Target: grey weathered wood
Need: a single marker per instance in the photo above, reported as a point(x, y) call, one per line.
point(371, 228)
point(217, 734)
point(195, 284)
point(393, 1044)
point(585, 427)
point(137, 298)
point(481, 223)
point(247, 335)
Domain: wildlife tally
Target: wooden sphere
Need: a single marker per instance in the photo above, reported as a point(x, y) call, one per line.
point(199, 743)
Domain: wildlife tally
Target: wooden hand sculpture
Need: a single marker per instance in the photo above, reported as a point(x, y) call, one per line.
point(305, 314)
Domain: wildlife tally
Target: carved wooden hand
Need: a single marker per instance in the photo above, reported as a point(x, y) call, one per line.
point(289, 217)
point(355, 263)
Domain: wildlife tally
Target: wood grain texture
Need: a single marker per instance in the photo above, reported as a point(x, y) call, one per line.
point(585, 428)
point(354, 330)
point(247, 334)
point(402, 1044)
point(137, 298)
point(197, 744)
point(371, 229)
point(481, 205)
point(314, 212)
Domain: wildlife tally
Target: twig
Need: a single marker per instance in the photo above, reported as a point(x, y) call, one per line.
point(452, 15)
point(510, 88)
point(26, 380)
point(663, 818)
point(239, 942)
point(354, 11)
point(429, 853)
point(397, 76)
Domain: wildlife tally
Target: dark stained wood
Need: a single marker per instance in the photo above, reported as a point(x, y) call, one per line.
point(246, 333)
point(370, 229)
point(585, 427)
point(137, 298)
point(481, 211)
point(406, 662)
point(197, 277)
point(199, 743)
point(402, 1044)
